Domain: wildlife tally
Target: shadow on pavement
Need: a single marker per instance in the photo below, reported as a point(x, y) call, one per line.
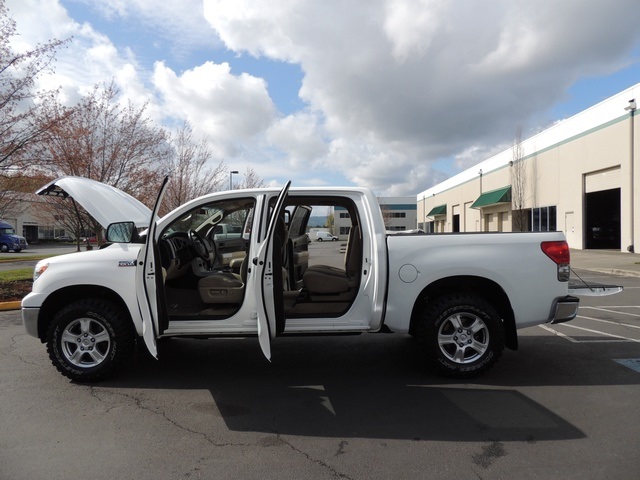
point(351, 387)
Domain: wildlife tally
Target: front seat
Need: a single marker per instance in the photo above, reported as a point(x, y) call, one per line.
point(227, 287)
point(327, 280)
point(224, 287)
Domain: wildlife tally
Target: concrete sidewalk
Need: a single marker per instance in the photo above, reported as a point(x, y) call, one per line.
point(612, 262)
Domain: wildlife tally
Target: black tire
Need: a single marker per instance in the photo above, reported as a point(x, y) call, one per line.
point(90, 339)
point(461, 334)
point(320, 239)
point(17, 250)
point(4, 248)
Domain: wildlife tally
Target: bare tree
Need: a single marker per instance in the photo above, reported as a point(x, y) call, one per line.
point(251, 179)
point(105, 140)
point(518, 185)
point(102, 139)
point(18, 72)
point(191, 172)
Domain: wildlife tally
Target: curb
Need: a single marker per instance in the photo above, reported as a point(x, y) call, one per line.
point(5, 306)
point(615, 271)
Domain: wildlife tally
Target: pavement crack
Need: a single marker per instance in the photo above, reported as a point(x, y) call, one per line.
point(316, 461)
point(138, 403)
point(12, 348)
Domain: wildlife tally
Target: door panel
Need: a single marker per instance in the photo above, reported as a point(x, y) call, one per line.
point(149, 283)
point(269, 301)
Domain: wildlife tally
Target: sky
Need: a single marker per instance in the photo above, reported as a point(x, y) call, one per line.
point(394, 95)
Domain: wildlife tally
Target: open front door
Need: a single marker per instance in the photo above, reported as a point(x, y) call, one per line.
point(150, 285)
point(271, 321)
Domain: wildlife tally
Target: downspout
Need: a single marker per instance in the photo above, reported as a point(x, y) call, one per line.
point(632, 111)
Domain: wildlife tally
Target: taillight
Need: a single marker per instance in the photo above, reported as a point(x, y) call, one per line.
point(559, 253)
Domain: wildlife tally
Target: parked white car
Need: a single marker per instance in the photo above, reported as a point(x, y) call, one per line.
point(325, 236)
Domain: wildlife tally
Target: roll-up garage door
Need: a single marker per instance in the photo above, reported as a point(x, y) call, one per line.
point(602, 180)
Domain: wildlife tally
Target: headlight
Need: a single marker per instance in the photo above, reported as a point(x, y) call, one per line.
point(41, 266)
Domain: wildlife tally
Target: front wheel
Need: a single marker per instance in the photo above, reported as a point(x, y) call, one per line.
point(462, 335)
point(90, 339)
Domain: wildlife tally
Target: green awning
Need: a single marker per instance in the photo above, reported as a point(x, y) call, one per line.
point(439, 210)
point(501, 195)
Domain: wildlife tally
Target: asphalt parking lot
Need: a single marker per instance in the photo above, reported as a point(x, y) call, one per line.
point(564, 406)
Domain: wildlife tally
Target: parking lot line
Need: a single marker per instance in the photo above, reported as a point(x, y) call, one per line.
point(608, 321)
point(615, 339)
point(603, 333)
point(601, 309)
point(560, 334)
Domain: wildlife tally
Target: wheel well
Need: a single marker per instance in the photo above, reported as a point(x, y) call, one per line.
point(487, 289)
point(64, 296)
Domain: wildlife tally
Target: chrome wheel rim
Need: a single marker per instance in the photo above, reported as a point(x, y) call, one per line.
point(85, 342)
point(463, 338)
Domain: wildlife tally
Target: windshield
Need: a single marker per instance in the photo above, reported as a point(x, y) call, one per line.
point(7, 231)
point(232, 214)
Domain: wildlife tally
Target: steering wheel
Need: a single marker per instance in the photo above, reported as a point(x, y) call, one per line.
point(201, 246)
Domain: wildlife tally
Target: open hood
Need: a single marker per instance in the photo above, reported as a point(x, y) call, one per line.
point(104, 203)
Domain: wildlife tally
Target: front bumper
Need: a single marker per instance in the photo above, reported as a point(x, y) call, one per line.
point(30, 320)
point(564, 309)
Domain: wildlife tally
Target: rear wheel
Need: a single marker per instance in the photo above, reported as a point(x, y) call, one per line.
point(90, 339)
point(462, 335)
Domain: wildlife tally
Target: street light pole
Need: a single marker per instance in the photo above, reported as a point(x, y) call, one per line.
point(231, 179)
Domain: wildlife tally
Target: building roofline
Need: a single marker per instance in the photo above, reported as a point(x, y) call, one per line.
point(600, 115)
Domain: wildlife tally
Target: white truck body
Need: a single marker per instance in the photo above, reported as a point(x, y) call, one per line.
point(173, 282)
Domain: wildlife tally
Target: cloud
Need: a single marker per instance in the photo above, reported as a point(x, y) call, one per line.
point(409, 82)
point(300, 138)
point(181, 23)
point(390, 88)
point(228, 109)
point(90, 58)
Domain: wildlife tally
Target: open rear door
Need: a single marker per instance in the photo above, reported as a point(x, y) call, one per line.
point(150, 285)
point(271, 321)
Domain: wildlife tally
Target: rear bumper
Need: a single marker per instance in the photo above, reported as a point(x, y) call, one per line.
point(564, 309)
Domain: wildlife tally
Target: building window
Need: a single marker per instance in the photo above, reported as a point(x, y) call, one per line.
point(344, 215)
point(46, 232)
point(543, 219)
point(395, 214)
point(345, 230)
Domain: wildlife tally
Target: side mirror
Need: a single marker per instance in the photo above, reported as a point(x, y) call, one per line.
point(122, 232)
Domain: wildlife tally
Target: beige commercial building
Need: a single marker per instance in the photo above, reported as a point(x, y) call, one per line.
point(579, 177)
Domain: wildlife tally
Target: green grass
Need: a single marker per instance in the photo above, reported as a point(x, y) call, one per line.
point(24, 258)
point(18, 274)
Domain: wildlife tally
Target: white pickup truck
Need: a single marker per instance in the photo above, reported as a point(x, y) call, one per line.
point(462, 296)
